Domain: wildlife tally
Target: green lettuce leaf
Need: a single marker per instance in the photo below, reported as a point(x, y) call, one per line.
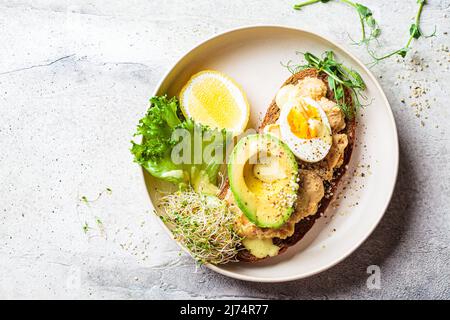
point(178, 150)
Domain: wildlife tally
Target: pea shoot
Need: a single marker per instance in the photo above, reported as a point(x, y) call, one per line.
point(341, 80)
point(371, 31)
point(414, 33)
point(369, 26)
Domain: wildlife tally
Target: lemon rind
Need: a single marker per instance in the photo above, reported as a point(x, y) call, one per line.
point(244, 122)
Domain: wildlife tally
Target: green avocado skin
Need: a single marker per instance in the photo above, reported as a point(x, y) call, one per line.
point(238, 185)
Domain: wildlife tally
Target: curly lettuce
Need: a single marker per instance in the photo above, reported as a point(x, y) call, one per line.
point(179, 150)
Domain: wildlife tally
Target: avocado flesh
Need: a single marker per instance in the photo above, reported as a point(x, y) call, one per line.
point(261, 248)
point(268, 203)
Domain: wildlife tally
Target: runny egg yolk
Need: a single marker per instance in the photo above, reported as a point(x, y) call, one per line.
point(305, 121)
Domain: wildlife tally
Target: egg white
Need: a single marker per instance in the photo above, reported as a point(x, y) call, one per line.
point(309, 150)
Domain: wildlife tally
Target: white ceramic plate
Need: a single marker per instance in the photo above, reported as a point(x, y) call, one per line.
point(253, 57)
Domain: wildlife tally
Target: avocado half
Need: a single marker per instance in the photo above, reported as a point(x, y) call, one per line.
point(266, 204)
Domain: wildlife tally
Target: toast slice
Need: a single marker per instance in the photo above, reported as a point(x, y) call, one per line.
point(304, 225)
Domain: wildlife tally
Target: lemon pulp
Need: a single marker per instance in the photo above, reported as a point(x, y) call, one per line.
point(213, 99)
point(211, 103)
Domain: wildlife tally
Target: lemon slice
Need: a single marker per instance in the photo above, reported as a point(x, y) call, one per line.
point(216, 100)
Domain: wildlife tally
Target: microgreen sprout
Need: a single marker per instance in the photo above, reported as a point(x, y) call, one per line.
point(203, 224)
point(86, 201)
point(371, 31)
point(341, 80)
point(414, 33)
point(307, 3)
point(369, 26)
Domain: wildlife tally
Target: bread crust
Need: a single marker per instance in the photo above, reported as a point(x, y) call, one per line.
point(304, 225)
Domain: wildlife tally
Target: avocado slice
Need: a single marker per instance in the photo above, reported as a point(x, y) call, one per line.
point(261, 248)
point(263, 174)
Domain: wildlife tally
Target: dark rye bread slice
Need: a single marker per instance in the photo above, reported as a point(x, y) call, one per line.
point(304, 225)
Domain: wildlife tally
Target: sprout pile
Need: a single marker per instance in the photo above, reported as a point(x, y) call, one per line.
point(203, 224)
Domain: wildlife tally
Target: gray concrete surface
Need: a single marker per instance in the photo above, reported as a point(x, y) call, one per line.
point(76, 75)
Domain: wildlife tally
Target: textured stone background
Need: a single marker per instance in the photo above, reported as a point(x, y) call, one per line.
point(74, 79)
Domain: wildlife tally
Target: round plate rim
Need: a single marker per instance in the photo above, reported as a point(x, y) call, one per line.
point(395, 155)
